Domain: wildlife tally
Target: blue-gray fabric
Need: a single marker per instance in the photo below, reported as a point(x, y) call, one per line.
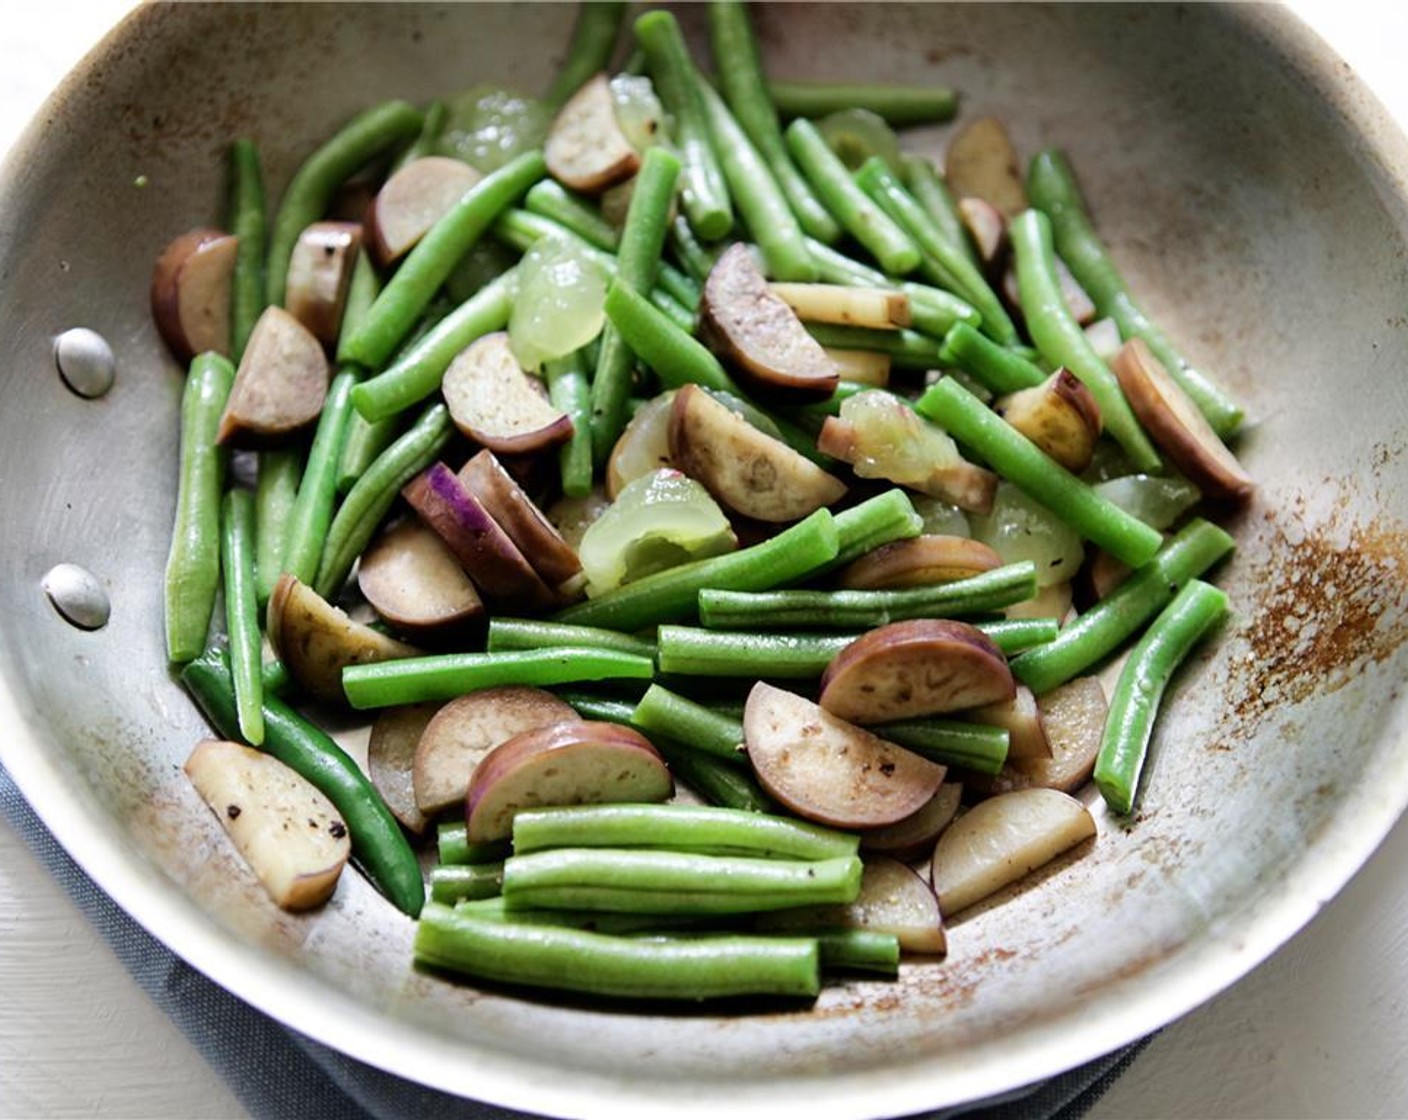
point(278, 1073)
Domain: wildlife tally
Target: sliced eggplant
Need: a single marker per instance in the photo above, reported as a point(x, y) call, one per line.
point(319, 272)
point(1002, 839)
point(190, 292)
point(1051, 601)
point(746, 470)
point(879, 308)
point(1060, 416)
point(1076, 298)
point(987, 229)
point(830, 771)
point(914, 837)
point(922, 667)
point(643, 447)
point(316, 640)
point(411, 201)
point(280, 385)
point(1021, 718)
point(866, 367)
point(576, 762)
point(1175, 424)
point(1074, 718)
point(498, 404)
point(391, 754)
point(918, 562)
point(982, 163)
point(412, 579)
point(586, 148)
point(749, 326)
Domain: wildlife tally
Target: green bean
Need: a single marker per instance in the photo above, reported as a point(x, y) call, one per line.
point(675, 355)
point(667, 713)
point(865, 950)
point(550, 199)
point(1053, 190)
point(623, 967)
point(764, 208)
point(368, 501)
point(707, 830)
point(1062, 341)
point(673, 594)
point(276, 491)
point(569, 390)
point(704, 192)
point(932, 193)
point(897, 104)
point(593, 43)
point(955, 270)
point(998, 368)
point(378, 843)
point(458, 882)
point(642, 239)
point(427, 141)
point(907, 349)
point(247, 223)
point(418, 372)
point(242, 612)
point(193, 564)
point(362, 292)
point(740, 75)
point(851, 206)
point(452, 842)
point(813, 416)
point(312, 510)
point(951, 742)
point(1001, 587)
point(306, 199)
point(889, 516)
point(274, 678)
point(679, 287)
point(412, 680)
point(425, 268)
point(696, 259)
point(1019, 460)
point(1104, 628)
point(640, 881)
point(362, 440)
point(1134, 704)
point(533, 633)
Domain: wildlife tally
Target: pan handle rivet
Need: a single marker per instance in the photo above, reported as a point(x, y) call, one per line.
point(77, 595)
point(85, 362)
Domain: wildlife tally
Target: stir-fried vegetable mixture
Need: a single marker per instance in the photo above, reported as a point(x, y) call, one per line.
point(723, 510)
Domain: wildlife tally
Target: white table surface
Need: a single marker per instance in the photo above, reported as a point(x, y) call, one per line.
point(1317, 1031)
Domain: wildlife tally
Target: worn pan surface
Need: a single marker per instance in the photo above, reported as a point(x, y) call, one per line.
point(1255, 194)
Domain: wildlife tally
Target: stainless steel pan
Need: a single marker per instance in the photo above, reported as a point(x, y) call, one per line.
point(1256, 196)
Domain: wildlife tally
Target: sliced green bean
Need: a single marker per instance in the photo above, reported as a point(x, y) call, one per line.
point(1134, 704)
point(668, 713)
point(764, 208)
point(998, 368)
point(621, 967)
point(638, 881)
point(533, 633)
point(1019, 460)
point(459, 882)
point(412, 680)
point(676, 356)
point(306, 200)
point(1060, 338)
point(851, 206)
point(708, 830)
point(593, 43)
point(242, 612)
point(1098, 632)
point(362, 292)
point(425, 268)
point(570, 390)
point(427, 140)
point(740, 75)
point(955, 269)
point(889, 516)
point(312, 510)
point(193, 564)
point(642, 240)
point(863, 950)
point(378, 843)
point(704, 192)
point(717, 782)
point(418, 372)
point(453, 846)
point(551, 199)
point(736, 610)
point(907, 349)
point(951, 742)
point(247, 223)
point(696, 259)
point(897, 104)
point(276, 491)
point(368, 501)
point(1053, 190)
point(673, 594)
point(931, 192)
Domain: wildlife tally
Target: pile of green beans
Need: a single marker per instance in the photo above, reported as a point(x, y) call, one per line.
point(658, 901)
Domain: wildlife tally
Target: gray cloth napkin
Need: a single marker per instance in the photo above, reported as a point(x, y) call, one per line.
point(278, 1073)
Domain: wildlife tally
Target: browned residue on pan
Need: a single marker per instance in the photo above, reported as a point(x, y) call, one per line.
point(1330, 601)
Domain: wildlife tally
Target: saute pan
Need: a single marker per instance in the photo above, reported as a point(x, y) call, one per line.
point(1256, 197)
